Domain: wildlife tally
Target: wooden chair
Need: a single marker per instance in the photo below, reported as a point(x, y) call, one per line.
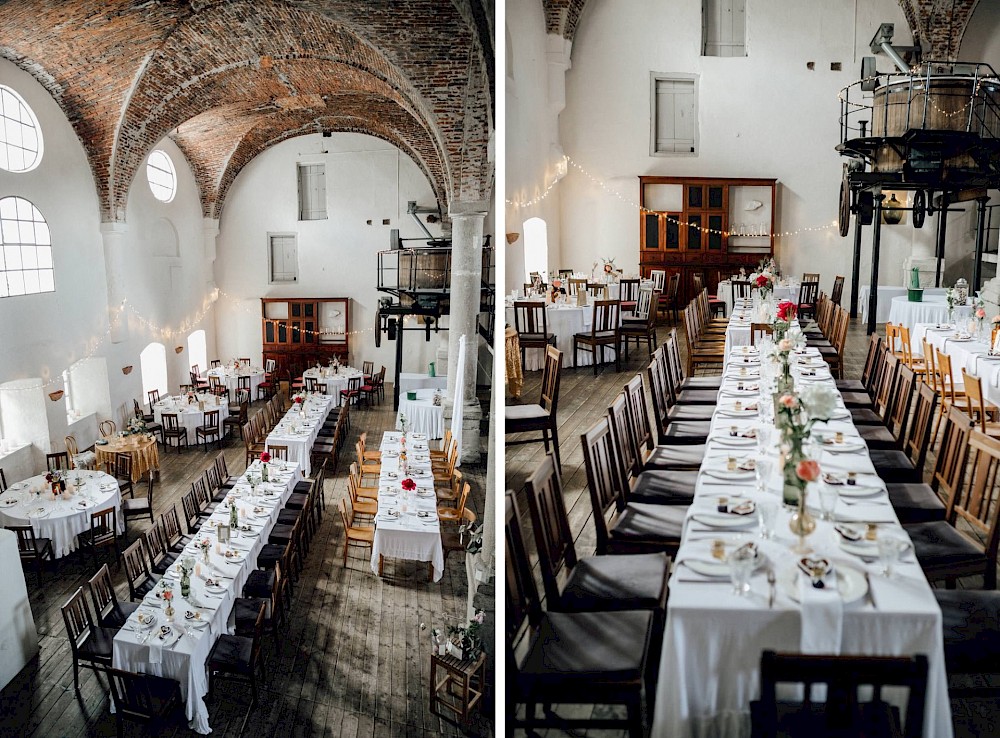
point(758, 331)
point(197, 383)
point(209, 429)
point(189, 503)
point(740, 289)
point(531, 324)
point(57, 461)
point(173, 537)
point(597, 291)
point(605, 332)
point(575, 285)
point(700, 356)
point(907, 465)
point(444, 476)
point(90, 644)
point(354, 535)
point(245, 361)
point(154, 397)
point(353, 391)
point(808, 294)
point(31, 548)
point(107, 428)
point(642, 327)
point(361, 506)
point(78, 460)
point(142, 698)
point(103, 533)
point(628, 295)
point(122, 472)
point(173, 430)
point(241, 657)
point(278, 453)
point(842, 713)
point(668, 303)
point(238, 419)
point(971, 642)
point(110, 612)
point(137, 574)
point(716, 306)
point(944, 385)
point(139, 507)
point(917, 364)
point(559, 658)
point(978, 407)
point(456, 513)
point(543, 416)
point(837, 293)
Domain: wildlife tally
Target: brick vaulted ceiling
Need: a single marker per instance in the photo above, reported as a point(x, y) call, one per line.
point(228, 79)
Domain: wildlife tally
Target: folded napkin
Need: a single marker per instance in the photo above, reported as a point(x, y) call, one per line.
point(156, 645)
point(822, 615)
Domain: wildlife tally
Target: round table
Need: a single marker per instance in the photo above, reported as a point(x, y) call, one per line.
point(61, 518)
point(334, 381)
point(190, 415)
point(422, 415)
point(143, 450)
point(933, 309)
point(563, 321)
point(231, 377)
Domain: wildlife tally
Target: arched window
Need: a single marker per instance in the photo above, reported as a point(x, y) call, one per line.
point(161, 176)
point(536, 248)
point(153, 366)
point(20, 134)
point(26, 256)
point(197, 351)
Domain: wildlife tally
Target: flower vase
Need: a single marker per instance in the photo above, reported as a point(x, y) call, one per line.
point(204, 554)
point(792, 488)
point(263, 472)
point(185, 583)
point(802, 523)
point(169, 612)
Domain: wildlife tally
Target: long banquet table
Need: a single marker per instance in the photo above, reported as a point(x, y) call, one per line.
point(139, 649)
point(299, 428)
point(971, 354)
point(709, 669)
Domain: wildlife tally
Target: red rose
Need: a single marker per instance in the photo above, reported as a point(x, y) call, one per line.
point(807, 470)
point(761, 281)
point(265, 457)
point(786, 310)
point(408, 484)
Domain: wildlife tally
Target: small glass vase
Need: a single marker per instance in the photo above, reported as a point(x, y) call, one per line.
point(802, 524)
point(204, 555)
point(185, 583)
point(169, 612)
point(792, 490)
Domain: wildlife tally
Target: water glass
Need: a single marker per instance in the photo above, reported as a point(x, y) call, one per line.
point(889, 549)
point(763, 472)
point(828, 496)
point(767, 514)
point(741, 562)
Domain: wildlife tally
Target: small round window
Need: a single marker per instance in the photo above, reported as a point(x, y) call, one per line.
point(161, 175)
point(20, 134)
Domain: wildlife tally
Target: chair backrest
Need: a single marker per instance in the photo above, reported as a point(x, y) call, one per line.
point(659, 277)
point(211, 419)
point(808, 292)
point(673, 286)
point(605, 316)
point(658, 393)
point(153, 540)
point(575, 285)
point(899, 413)
point(220, 466)
point(102, 526)
point(550, 523)
point(945, 378)
point(976, 406)
point(645, 304)
point(190, 504)
point(887, 386)
point(628, 289)
point(367, 367)
point(638, 415)
point(3, 481)
point(949, 469)
point(170, 524)
point(530, 317)
point(551, 377)
point(136, 568)
point(843, 676)
point(244, 361)
point(71, 448)
point(976, 504)
point(628, 453)
point(758, 331)
point(278, 452)
point(523, 605)
point(132, 694)
point(102, 592)
point(270, 365)
point(930, 365)
point(123, 466)
point(346, 514)
point(26, 543)
point(740, 289)
point(78, 620)
point(57, 460)
point(154, 397)
point(310, 383)
point(872, 359)
point(603, 478)
point(837, 293)
point(170, 422)
point(919, 437)
point(597, 290)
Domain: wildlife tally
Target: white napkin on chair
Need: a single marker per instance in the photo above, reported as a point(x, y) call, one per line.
point(822, 615)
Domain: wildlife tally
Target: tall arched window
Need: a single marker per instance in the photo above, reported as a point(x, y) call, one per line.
point(536, 248)
point(153, 366)
point(197, 351)
point(26, 250)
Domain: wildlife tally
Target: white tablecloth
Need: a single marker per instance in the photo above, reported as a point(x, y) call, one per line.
point(788, 291)
point(334, 381)
point(968, 355)
point(422, 415)
point(16, 621)
point(185, 660)
point(409, 536)
point(885, 295)
point(231, 378)
point(714, 638)
point(933, 309)
point(189, 415)
point(63, 518)
point(299, 432)
point(563, 322)
point(412, 381)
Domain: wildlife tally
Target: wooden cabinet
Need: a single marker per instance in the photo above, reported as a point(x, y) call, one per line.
point(705, 225)
point(298, 332)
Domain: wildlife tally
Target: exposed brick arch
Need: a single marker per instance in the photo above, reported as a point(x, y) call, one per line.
point(939, 25)
point(127, 73)
point(563, 16)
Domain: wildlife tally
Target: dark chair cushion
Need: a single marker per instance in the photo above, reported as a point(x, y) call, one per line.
point(971, 638)
point(915, 503)
point(269, 553)
point(690, 432)
point(231, 653)
point(535, 337)
point(851, 385)
point(577, 649)
point(893, 467)
point(136, 504)
point(288, 517)
point(99, 645)
point(630, 582)
point(878, 437)
point(865, 416)
point(796, 719)
point(118, 614)
point(697, 397)
point(657, 523)
point(658, 487)
point(690, 412)
point(598, 336)
point(301, 487)
point(280, 533)
point(938, 545)
point(857, 399)
point(245, 611)
point(682, 456)
point(260, 583)
point(701, 383)
point(296, 501)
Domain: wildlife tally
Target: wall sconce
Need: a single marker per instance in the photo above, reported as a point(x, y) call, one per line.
point(126, 370)
point(512, 237)
point(893, 210)
point(56, 396)
point(178, 349)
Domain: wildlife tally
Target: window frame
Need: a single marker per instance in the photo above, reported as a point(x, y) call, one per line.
point(35, 125)
point(271, 236)
point(19, 246)
point(302, 178)
point(717, 5)
point(654, 79)
point(172, 171)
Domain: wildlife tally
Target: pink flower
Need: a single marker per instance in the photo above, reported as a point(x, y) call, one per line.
point(785, 344)
point(807, 470)
point(980, 313)
point(788, 401)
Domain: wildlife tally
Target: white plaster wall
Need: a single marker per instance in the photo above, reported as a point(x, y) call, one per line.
point(367, 179)
point(42, 335)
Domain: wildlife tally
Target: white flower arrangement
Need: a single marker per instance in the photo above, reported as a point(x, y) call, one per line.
point(819, 401)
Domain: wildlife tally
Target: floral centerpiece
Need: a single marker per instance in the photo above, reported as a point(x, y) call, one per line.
point(764, 282)
point(265, 457)
point(55, 479)
point(609, 267)
point(136, 427)
point(952, 299)
point(785, 315)
point(204, 545)
point(979, 312)
point(168, 597)
point(408, 484)
point(467, 641)
point(402, 422)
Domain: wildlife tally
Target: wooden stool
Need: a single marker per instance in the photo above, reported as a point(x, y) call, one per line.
point(456, 686)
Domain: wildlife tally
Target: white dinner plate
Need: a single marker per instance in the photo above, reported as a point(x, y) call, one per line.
point(856, 490)
point(723, 520)
point(851, 583)
point(715, 567)
point(848, 446)
point(738, 475)
point(148, 620)
point(199, 624)
point(730, 412)
point(215, 588)
point(10, 501)
point(727, 440)
point(39, 512)
point(425, 493)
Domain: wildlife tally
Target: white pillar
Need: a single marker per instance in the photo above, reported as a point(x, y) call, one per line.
point(465, 297)
point(113, 235)
point(210, 232)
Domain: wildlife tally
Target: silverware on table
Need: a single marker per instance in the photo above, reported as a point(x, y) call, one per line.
point(771, 583)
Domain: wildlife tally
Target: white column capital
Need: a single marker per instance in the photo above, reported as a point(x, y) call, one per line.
point(113, 228)
point(468, 209)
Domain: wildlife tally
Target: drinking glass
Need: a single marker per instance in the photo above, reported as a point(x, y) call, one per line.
point(741, 562)
point(767, 513)
point(828, 496)
point(763, 472)
point(763, 436)
point(889, 549)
